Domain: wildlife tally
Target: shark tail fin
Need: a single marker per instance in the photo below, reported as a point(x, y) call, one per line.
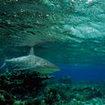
point(3, 67)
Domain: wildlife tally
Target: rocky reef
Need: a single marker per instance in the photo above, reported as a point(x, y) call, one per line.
point(29, 88)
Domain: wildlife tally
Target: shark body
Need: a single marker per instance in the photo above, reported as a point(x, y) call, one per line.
point(30, 62)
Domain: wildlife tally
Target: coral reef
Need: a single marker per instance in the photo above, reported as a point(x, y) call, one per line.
point(29, 88)
point(6, 98)
point(22, 82)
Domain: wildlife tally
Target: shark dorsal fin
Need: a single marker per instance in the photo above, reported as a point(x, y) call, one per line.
point(31, 51)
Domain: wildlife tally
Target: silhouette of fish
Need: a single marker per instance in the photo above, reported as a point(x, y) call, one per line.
point(29, 40)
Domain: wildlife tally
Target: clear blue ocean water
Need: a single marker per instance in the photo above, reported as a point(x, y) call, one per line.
point(82, 73)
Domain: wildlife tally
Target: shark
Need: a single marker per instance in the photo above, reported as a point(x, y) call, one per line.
point(29, 62)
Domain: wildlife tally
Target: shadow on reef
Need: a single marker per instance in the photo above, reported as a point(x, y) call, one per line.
point(22, 82)
point(30, 88)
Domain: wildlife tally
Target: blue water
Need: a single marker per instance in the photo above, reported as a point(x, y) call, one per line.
point(82, 73)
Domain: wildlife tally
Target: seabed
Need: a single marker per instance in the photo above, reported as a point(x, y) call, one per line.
point(29, 88)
